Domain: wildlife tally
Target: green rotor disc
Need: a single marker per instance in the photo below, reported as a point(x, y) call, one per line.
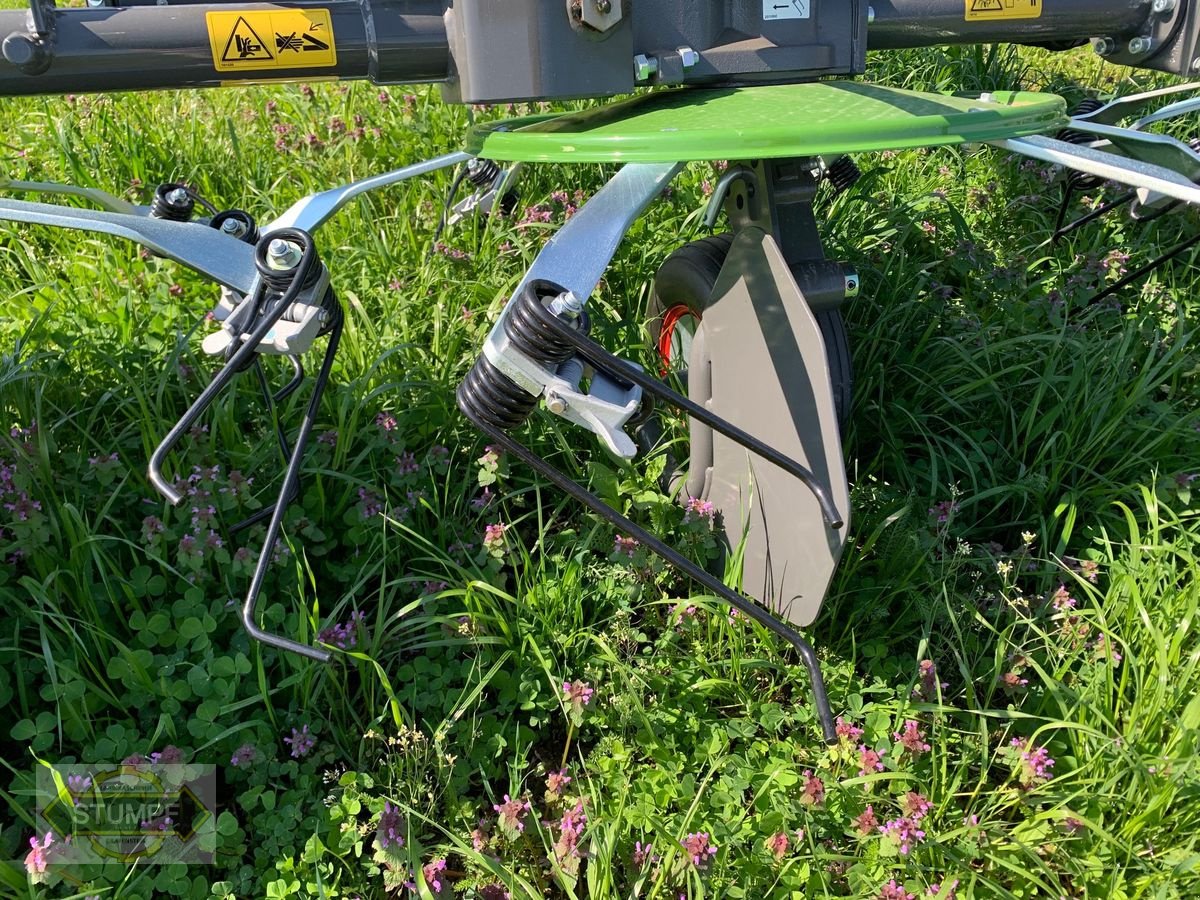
point(767, 121)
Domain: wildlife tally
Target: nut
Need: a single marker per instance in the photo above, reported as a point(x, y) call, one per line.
point(1163, 6)
point(1140, 45)
point(283, 255)
point(687, 56)
point(555, 403)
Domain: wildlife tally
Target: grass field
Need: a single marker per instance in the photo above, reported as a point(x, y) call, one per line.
point(1010, 641)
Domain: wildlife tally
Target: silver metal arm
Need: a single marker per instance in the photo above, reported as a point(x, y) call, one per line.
point(217, 256)
point(315, 210)
point(103, 199)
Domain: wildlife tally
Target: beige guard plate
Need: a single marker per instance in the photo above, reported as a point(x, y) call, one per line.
point(758, 335)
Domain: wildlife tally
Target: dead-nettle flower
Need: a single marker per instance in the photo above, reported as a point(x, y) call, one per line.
point(433, 874)
point(480, 835)
point(905, 832)
point(915, 805)
point(869, 760)
point(493, 537)
point(942, 512)
point(407, 464)
point(556, 782)
point(485, 497)
point(911, 738)
point(943, 891)
point(78, 784)
point(571, 828)
point(644, 853)
point(301, 742)
point(512, 815)
point(929, 686)
point(369, 503)
point(847, 731)
point(1061, 600)
point(699, 849)
point(343, 635)
point(893, 891)
point(578, 694)
point(865, 822)
point(169, 755)
point(777, 845)
point(35, 860)
point(813, 793)
point(1036, 763)
point(701, 510)
point(386, 421)
point(625, 546)
point(1012, 683)
point(491, 456)
point(1104, 650)
point(390, 833)
point(244, 755)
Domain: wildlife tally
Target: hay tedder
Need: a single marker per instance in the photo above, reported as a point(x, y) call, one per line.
point(753, 314)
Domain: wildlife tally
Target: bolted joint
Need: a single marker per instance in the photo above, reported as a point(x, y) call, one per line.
point(644, 68)
point(283, 255)
point(1163, 6)
point(1104, 46)
point(688, 57)
point(555, 403)
point(566, 305)
point(1141, 45)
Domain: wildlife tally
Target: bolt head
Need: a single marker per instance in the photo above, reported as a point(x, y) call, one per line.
point(1140, 45)
point(234, 227)
point(644, 67)
point(604, 7)
point(566, 305)
point(177, 197)
point(1163, 6)
point(555, 403)
point(688, 57)
point(1104, 46)
point(95, 3)
point(283, 255)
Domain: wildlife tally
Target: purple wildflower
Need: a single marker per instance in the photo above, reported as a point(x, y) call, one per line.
point(301, 742)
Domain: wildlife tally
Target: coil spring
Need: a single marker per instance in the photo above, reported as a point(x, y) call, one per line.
point(482, 173)
point(843, 173)
point(245, 223)
point(163, 206)
point(489, 396)
point(1080, 181)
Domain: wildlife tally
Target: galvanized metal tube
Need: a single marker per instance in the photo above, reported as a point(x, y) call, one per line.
point(152, 47)
point(922, 23)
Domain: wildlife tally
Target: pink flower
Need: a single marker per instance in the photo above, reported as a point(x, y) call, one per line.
point(625, 546)
point(848, 731)
point(1036, 763)
point(911, 738)
point(556, 782)
point(244, 755)
point(301, 742)
point(699, 509)
point(905, 832)
point(943, 891)
point(35, 860)
point(869, 760)
point(390, 831)
point(777, 845)
point(493, 537)
point(865, 822)
point(915, 806)
point(698, 848)
point(813, 793)
point(432, 872)
point(644, 853)
point(577, 693)
point(930, 686)
point(893, 891)
point(512, 815)
point(1061, 600)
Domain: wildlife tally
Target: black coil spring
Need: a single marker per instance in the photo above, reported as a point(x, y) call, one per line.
point(489, 396)
point(842, 174)
point(482, 173)
point(163, 208)
point(250, 233)
point(281, 280)
point(1080, 181)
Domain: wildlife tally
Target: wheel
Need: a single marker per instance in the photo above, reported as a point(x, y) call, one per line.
point(682, 290)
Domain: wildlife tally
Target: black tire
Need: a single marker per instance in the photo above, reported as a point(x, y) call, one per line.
point(686, 279)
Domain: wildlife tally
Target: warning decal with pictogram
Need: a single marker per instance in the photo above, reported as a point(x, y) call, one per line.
point(271, 39)
point(993, 10)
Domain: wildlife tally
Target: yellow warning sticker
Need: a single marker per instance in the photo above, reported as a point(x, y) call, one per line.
point(992, 10)
point(271, 39)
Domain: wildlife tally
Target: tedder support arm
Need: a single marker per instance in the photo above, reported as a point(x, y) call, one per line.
point(486, 51)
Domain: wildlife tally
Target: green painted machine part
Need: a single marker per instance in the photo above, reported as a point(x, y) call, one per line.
point(767, 122)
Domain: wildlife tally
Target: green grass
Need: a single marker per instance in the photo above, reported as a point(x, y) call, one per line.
point(1053, 605)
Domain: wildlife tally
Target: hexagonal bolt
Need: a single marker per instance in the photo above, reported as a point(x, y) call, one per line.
point(555, 403)
point(1141, 45)
point(233, 227)
point(95, 3)
point(1163, 6)
point(687, 56)
point(283, 255)
point(566, 305)
point(1104, 46)
point(177, 197)
point(644, 67)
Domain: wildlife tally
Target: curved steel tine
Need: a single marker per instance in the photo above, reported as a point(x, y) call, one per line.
point(103, 199)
